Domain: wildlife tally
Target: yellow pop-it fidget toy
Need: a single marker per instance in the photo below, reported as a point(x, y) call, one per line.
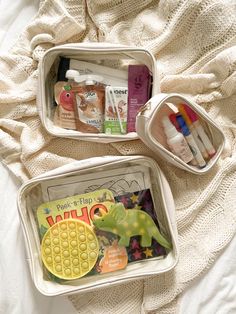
point(69, 249)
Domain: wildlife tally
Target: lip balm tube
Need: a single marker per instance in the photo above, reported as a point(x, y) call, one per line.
point(194, 132)
point(202, 134)
point(189, 138)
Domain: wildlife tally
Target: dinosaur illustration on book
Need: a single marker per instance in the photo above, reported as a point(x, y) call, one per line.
point(127, 223)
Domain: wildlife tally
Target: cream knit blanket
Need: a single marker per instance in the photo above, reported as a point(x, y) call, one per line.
point(193, 42)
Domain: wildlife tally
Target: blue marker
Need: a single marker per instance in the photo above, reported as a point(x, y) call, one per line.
point(191, 142)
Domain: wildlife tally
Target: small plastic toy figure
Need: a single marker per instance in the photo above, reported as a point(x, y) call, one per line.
point(127, 223)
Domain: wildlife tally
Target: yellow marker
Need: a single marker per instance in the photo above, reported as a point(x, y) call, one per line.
point(184, 115)
point(69, 249)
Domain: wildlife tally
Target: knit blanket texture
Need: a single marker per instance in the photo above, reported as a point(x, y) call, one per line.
point(194, 43)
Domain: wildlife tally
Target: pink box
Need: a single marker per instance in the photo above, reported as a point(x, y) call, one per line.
point(139, 83)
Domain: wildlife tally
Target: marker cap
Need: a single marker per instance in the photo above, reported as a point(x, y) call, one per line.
point(182, 124)
point(173, 120)
point(184, 114)
point(72, 74)
point(192, 115)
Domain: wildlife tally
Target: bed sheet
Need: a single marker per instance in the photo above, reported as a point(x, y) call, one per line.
point(18, 294)
point(214, 292)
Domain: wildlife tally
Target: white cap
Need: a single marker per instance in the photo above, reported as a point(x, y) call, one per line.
point(72, 74)
point(169, 128)
point(88, 79)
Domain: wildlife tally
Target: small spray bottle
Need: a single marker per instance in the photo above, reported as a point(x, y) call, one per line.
point(176, 141)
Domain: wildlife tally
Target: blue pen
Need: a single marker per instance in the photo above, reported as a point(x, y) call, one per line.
point(191, 142)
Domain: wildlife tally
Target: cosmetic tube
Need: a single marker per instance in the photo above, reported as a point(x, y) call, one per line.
point(191, 142)
point(202, 134)
point(194, 132)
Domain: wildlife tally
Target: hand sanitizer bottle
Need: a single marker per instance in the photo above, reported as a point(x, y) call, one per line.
point(176, 141)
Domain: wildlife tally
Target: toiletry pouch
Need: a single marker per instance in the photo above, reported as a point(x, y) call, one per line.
point(150, 129)
point(99, 197)
point(117, 58)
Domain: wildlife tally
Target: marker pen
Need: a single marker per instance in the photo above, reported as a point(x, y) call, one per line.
point(202, 134)
point(189, 138)
point(193, 130)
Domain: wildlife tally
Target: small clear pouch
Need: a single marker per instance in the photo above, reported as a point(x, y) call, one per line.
point(73, 195)
point(119, 57)
point(150, 129)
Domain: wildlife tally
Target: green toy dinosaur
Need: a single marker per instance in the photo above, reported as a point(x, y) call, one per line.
point(127, 223)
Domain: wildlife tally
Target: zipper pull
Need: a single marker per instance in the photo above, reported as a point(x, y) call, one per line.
point(145, 107)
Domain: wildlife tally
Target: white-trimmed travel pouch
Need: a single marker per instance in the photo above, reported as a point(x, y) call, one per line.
point(126, 173)
point(150, 129)
point(148, 121)
point(90, 52)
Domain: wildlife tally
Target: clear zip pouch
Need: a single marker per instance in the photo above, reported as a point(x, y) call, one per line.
point(204, 139)
point(116, 59)
point(98, 222)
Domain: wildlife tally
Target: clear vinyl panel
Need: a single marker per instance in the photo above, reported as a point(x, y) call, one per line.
point(92, 224)
point(94, 93)
point(181, 130)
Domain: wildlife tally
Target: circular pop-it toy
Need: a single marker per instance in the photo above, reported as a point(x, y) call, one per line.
point(69, 249)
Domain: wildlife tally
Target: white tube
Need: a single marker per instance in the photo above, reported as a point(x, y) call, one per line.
point(205, 139)
point(195, 150)
point(198, 141)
